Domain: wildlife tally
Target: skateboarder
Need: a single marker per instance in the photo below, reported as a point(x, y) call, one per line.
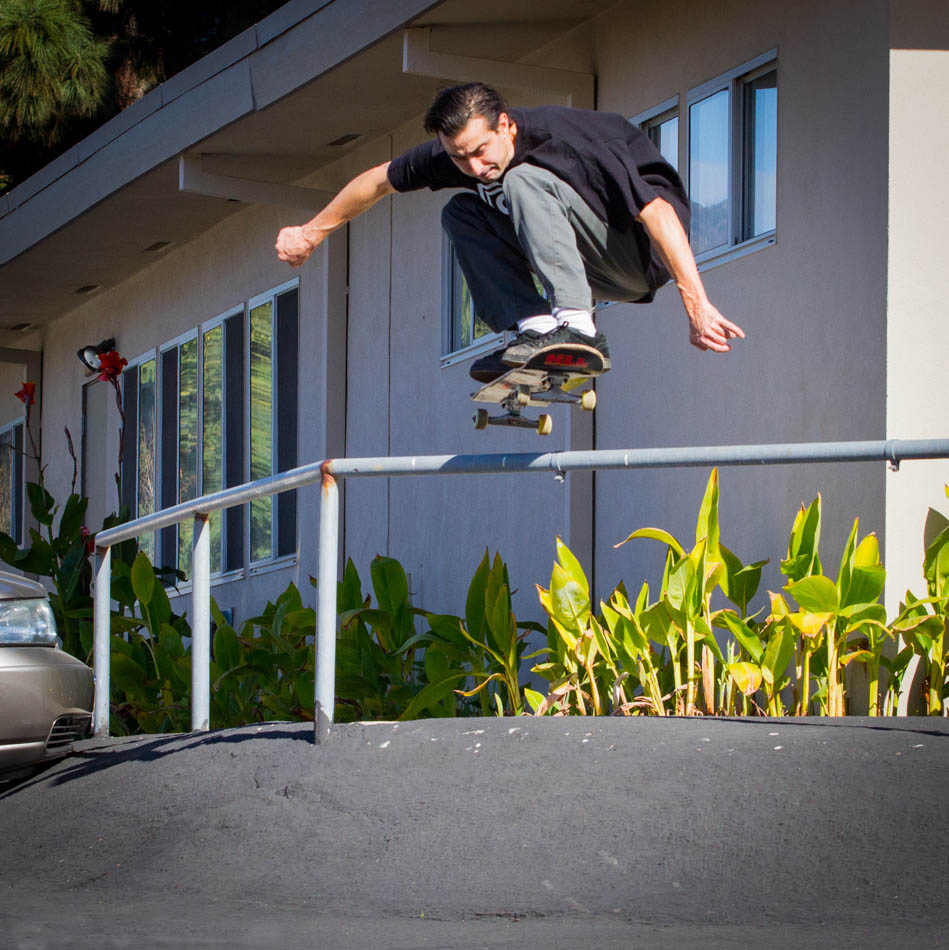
point(582, 199)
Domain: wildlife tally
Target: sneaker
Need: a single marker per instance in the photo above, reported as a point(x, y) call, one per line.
point(488, 368)
point(529, 343)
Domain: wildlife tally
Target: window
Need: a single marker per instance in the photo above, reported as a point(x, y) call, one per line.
point(139, 453)
point(11, 479)
point(661, 124)
point(179, 444)
point(193, 413)
point(732, 152)
point(463, 328)
point(222, 461)
point(272, 384)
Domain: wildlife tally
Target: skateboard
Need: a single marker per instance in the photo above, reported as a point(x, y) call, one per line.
point(548, 377)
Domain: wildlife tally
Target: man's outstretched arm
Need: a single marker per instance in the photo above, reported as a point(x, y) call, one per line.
point(708, 329)
point(295, 245)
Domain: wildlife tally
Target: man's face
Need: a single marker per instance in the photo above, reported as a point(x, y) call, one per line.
point(480, 151)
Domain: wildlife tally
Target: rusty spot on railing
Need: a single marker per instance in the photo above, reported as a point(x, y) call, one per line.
point(328, 477)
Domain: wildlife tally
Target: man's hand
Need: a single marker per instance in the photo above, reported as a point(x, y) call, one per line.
point(294, 247)
point(709, 330)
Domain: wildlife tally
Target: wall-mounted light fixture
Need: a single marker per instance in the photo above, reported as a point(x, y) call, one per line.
point(89, 355)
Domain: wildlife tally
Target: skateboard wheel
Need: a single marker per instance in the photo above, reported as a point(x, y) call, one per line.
point(481, 419)
point(588, 400)
point(523, 396)
point(545, 424)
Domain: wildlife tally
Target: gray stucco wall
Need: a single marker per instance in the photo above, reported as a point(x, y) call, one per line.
point(813, 305)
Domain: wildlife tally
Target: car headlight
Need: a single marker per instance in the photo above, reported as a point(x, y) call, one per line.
point(27, 622)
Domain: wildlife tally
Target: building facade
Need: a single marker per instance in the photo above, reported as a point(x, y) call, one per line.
point(809, 135)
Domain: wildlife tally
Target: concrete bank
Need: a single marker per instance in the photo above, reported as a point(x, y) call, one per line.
point(488, 833)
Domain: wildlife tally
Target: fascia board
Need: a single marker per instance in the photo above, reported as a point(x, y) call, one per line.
point(302, 54)
point(143, 147)
point(236, 49)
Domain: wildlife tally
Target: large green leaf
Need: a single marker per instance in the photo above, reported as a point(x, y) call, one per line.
point(866, 585)
point(778, 653)
point(572, 566)
point(656, 534)
point(42, 504)
point(126, 675)
point(803, 558)
point(227, 648)
point(389, 583)
point(143, 579)
point(681, 587)
point(740, 581)
point(745, 636)
point(707, 524)
point(474, 603)
point(349, 589)
point(73, 515)
point(816, 593)
point(570, 600)
point(936, 564)
point(747, 676)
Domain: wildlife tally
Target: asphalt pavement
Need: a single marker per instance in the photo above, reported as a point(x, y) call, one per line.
point(488, 833)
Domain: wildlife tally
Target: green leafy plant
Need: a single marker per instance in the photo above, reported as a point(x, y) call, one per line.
point(479, 657)
point(377, 675)
point(922, 622)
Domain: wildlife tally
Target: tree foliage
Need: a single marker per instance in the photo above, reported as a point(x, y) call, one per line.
point(52, 69)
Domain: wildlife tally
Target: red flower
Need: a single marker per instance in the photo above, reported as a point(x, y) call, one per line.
point(111, 365)
point(90, 539)
point(25, 395)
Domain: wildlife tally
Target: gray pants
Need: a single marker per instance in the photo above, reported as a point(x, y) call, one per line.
point(551, 232)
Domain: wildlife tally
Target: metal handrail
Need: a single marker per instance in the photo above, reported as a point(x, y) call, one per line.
point(327, 472)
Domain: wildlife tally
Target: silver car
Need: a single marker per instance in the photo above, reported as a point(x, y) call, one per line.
point(46, 695)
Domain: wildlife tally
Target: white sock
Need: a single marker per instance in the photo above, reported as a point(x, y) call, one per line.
point(580, 320)
point(542, 323)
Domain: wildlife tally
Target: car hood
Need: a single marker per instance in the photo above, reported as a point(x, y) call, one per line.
point(17, 587)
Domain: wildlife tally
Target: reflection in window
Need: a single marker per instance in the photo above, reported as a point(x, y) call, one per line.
point(261, 426)
point(212, 473)
point(467, 327)
point(708, 171)
point(145, 449)
point(11, 480)
point(759, 167)
point(664, 134)
point(187, 444)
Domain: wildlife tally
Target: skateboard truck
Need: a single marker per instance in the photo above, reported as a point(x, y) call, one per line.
point(551, 375)
point(522, 396)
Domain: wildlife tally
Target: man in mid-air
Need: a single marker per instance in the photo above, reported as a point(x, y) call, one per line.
point(581, 199)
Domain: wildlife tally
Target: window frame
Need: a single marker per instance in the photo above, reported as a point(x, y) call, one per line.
point(733, 82)
point(276, 560)
point(658, 115)
point(240, 310)
point(136, 363)
point(220, 573)
point(18, 476)
point(484, 344)
point(176, 343)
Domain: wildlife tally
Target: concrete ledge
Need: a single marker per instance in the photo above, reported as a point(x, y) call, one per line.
point(701, 832)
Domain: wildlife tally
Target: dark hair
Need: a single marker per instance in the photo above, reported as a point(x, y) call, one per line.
point(454, 107)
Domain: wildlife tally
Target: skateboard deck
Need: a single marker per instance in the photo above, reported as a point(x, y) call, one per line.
point(550, 376)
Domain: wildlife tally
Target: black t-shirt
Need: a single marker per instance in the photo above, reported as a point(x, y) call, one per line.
point(611, 163)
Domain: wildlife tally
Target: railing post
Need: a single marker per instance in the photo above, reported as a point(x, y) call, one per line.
point(101, 627)
point(326, 608)
point(201, 624)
